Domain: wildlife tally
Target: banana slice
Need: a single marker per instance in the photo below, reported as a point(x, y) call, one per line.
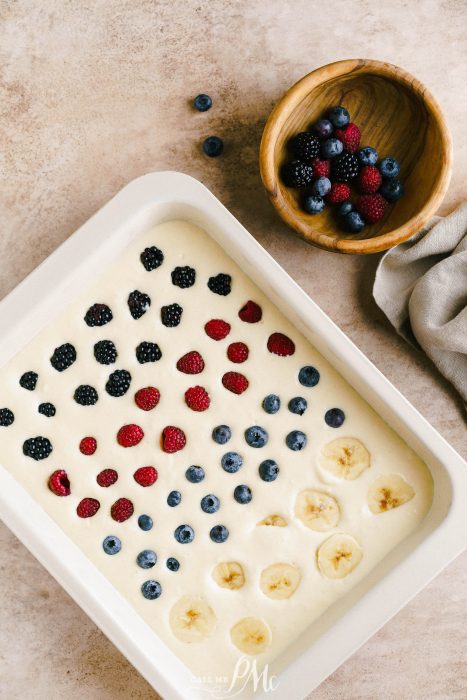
point(274, 521)
point(338, 556)
point(280, 581)
point(251, 635)
point(229, 574)
point(317, 510)
point(345, 457)
point(192, 619)
point(387, 492)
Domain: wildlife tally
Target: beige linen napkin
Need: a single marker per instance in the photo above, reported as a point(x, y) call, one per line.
point(421, 285)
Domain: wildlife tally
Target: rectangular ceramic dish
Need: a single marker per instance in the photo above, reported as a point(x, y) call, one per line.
point(353, 619)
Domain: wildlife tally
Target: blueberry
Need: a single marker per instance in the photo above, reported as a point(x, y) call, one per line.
point(151, 589)
point(202, 103)
point(321, 186)
point(334, 417)
point(368, 156)
point(392, 189)
point(298, 405)
point(344, 208)
point(308, 376)
point(268, 470)
point(389, 167)
point(339, 116)
point(323, 128)
point(184, 534)
point(213, 146)
point(145, 522)
point(256, 436)
point(210, 504)
point(271, 403)
point(296, 440)
point(353, 222)
point(221, 434)
point(146, 559)
point(173, 564)
point(219, 533)
point(231, 462)
point(195, 474)
point(331, 148)
point(313, 204)
point(242, 494)
point(112, 545)
point(174, 498)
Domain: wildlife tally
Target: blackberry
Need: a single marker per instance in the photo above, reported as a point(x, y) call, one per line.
point(85, 395)
point(118, 382)
point(7, 417)
point(220, 284)
point(148, 352)
point(47, 409)
point(183, 277)
point(171, 315)
point(297, 174)
point(152, 258)
point(98, 315)
point(105, 352)
point(345, 167)
point(37, 448)
point(28, 380)
point(63, 357)
point(305, 146)
point(138, 303)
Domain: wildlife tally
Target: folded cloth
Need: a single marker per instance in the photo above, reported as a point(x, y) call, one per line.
point(421, 285)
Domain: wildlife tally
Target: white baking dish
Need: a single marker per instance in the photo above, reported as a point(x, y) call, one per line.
point(348, 623)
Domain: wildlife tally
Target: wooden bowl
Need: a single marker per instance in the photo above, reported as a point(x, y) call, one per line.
point(397, 116)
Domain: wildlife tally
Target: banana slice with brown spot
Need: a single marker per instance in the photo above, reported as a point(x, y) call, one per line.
point(273, 520)
point(251, 635)
point(229, 574)
point(389, 491)
point(280, 581)
point(338, 556)
point(317, 510)
point(192, 619)
point(345, 457)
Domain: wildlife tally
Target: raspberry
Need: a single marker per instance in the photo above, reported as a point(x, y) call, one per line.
point(345, 167)
point(191, 363)
point(321, 168)
point(105, 352)
point(121, 510)
point(220, 284)
point(305, 146)
point(145, 476)
point(217, 329)
point(197, 398)
point(183, 277)
point(148, 352)
point(98, 315)
point(118, 382)
point(237, 352)
point(338, 193)
point(171, 315)
point(280, 344)
point(372, 207)
point(107, 477)
point(138, 303)
point(151, 258)
point(173, 439)
point(251, 312)
point(369, 179)
point(87, 507)
point(147, 398)
point(88, 445)
point(37, 448)
point(63, 357)
point(350, 137)
point(86, 395)
point(235, 382)
point(130, 435)
point(28, 380)
point(59, 483)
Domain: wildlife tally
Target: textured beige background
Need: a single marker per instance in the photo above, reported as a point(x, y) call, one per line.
point(95, 93)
